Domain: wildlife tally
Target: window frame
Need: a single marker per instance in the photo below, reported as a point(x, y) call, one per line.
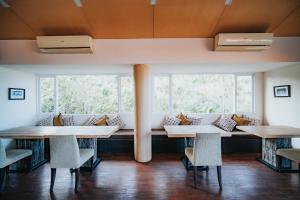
point(56, 93)
point(170, 75)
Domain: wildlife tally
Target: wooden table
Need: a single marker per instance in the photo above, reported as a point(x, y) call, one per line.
point(188, 132)
point(32, 137)
point(273, 138)
point(182, 131)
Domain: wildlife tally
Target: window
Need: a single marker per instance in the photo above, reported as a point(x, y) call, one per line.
point(161, 93)
point(47, 101)
point(202, 93)
point(86, 94)
point(127, 93)
point(244, 94)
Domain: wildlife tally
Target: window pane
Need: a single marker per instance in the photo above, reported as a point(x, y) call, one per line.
point(47, 95)
point(244, 93)
point(202, 93)
point(161, 93)
point(87, 94)
point(127, 93)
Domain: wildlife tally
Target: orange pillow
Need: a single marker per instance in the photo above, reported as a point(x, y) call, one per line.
point(240, 121)
point(58, 120)
point(183, 120)
point(102, 121)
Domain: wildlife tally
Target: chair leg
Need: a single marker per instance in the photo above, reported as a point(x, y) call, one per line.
point(92, 163)
point(195, 176)
point(219, 176)
point(2, 178)
point(77, 171)
point(53, 174)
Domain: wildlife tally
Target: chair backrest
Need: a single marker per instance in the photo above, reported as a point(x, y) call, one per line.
point(207, 149)
point(2, 154)
point(64, 152)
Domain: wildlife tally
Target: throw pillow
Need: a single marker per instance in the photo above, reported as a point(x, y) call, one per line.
point(195, 120)
point(46, 122)
point(227, 124)
point(116, 121)
point(170, 121)
point(183, 119)
point(69, 121)
point(240, 121)
point(102, 121)
point(58, 120)
point(90, 122)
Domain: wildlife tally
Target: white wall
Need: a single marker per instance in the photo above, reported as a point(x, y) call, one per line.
point(283, 111)
point(149, 51)
point(20, 112)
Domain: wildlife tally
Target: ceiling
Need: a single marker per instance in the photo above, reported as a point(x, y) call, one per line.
point(25, 19)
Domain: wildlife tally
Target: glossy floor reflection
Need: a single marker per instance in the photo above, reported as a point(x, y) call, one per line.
point(120, 177)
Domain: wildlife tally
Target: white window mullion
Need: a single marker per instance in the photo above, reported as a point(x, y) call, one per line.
point(119, 94)
point(170, 94)
point(56, 109)
point(235, 93)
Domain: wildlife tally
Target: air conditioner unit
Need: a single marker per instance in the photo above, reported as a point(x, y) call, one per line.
point(243, 41)
point(65, 44)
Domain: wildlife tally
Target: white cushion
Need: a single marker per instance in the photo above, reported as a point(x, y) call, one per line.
point(69, 121)
point(90, 122)
point(189, 153)
point(292, 154)
point(195, 120)
point(48, 121)
point(14, 155)
point(85, 155)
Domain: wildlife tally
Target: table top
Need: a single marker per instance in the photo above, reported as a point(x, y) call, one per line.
point(38, 132)
point(190, 131)
point(271, 131)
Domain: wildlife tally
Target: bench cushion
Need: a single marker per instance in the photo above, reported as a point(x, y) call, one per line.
point(15, 155)
point(292, 154)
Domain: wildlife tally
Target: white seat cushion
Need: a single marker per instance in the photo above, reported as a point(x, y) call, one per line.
point(190, 154)
point(85, 155)
point(15, 155)
point(292, 154)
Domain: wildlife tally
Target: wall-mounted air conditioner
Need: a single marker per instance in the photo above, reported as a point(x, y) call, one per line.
point(65, 44)
point(243, 41)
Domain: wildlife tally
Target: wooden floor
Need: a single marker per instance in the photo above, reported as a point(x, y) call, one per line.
point(120, 177)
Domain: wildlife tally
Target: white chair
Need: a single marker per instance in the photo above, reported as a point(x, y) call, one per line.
point(206, 152)
point(65, 153)
point(8, 157)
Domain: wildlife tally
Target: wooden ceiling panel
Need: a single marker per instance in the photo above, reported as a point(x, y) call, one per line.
point(246, 16)
point(51, 17)
point(186, 18)
point(11, 27)
point(119, 18)
point(290, 26)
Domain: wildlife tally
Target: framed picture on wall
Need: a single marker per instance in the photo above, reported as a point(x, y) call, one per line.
point(16, 94)
point(282, 91)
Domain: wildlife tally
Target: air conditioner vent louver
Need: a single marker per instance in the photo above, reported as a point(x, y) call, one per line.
point(243, 41)
point(65, 44)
